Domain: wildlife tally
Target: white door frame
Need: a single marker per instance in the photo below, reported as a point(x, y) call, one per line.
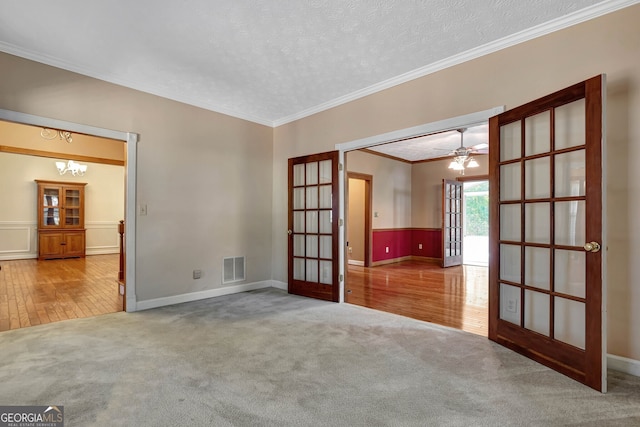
point(131, 140)
point(463, 121)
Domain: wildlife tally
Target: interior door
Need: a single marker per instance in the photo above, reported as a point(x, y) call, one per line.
point(545, 277)
point(451, 223)
point(313, 226)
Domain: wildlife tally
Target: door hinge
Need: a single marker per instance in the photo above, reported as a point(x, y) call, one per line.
point(341, 278)
point(340, 167)
point(340, 222)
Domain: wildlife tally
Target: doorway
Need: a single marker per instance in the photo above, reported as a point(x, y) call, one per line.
point(359, 219)
point(475, 228)
point(61, 266)
point(407, 278)
point(129, 194)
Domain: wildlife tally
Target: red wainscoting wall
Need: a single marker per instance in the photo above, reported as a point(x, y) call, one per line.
point(404, 242)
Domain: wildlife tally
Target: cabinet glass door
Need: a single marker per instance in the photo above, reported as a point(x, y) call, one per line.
point(71, 207)
point(51, 207)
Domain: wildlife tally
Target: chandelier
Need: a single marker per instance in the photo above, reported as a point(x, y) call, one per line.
point(462, 156)
point(47, 133)
point(75, 168)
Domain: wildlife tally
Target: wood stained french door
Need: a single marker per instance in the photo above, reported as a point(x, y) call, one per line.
point(313, 226)
point(545, 276)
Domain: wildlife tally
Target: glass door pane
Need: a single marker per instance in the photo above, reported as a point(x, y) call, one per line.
point(569, 323)
point(72, 207)
point(51, 208)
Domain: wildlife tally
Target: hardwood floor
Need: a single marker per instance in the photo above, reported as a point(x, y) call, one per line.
point(35, 292)
point(456, 296)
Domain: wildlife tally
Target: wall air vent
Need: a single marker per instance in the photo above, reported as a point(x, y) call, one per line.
point(233, 269)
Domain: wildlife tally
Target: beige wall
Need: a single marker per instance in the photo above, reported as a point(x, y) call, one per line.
point(205, 177)
point(511, 77)
point(426, 184)
point(29, 138)
point(391, 198)
point(104, 204)
point(408, 194)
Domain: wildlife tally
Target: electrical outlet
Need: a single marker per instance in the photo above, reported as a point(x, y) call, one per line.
point(419, 245)
point(386, 249)
point(197, 274)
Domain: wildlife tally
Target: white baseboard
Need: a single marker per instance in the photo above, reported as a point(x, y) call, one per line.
point(356, 262)
point(102, 251)
point(17, 257)
point(210, 293)
point(623, 364)
point(279, 285)
point(89, 252)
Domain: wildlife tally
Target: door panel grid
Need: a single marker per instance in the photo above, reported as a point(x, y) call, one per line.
point(538, 208)
point(312, 229)
point(451, 222)
point(546, 291)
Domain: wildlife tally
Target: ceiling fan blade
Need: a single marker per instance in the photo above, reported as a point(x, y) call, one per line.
point(482, 148)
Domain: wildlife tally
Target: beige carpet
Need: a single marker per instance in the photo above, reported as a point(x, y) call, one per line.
point(266, 358)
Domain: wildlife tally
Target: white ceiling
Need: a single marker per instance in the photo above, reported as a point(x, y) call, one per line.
point(437, 145)
point(270, 61)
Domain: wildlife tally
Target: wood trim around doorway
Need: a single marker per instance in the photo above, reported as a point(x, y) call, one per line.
point(473, 178)
point(56, 155)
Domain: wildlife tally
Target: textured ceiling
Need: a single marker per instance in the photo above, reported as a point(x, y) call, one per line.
point(437, 145)
point(273, 61)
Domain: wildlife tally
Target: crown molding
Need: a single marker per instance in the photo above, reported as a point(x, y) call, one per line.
point(557, 24)
point(385, 155)
point(138, 85)
point(600, 9)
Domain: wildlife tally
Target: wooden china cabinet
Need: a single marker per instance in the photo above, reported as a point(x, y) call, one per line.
point(61, 232)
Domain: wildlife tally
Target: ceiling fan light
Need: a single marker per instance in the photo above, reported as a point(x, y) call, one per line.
point(472, 163)
point(456, 166)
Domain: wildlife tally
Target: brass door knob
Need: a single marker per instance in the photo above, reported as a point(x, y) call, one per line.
point(592, 247)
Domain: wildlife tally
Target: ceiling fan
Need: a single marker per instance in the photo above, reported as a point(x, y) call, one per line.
point(462, 155)
point(466, 151)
